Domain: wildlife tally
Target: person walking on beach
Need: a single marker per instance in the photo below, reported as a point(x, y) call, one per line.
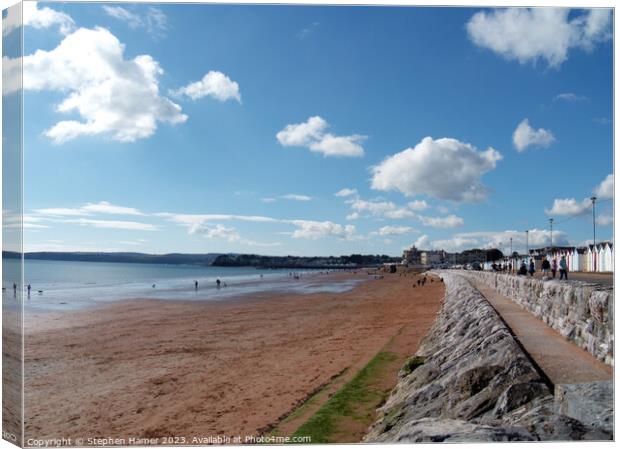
point(195, 285)
point(554, 267)
point(29, 287)
point(532, 268)
point(218, 283)
point(14, 289)
point(563, 269)
point(545, 267)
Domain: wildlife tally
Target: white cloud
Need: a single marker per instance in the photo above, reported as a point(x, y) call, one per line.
point(423, 242)
point(605, 190)
point(417, 171)
point(60, 211)
point(114, 96)
point(455, 244)
point(268, 200)
point(153, 20)
point(525, 136)
point(113, 224)
point(418, 205)
point(346, 192)
point(568, 206)
point(501, 239)
point(103, 207)
point(307, 229)
point(124, 15)
point(35, 17)
point(569, 97)
point(214, 84)
point(451, 221)
point(532, 34)
point(377, 208)
point(353, 216)
point(311, 134)
point(295, 197)
point(394, 230)
point(605, 219)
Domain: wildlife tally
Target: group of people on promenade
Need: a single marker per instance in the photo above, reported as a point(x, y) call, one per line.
point(545, 268)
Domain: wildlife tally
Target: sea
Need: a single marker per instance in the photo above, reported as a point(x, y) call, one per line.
point(68, 285)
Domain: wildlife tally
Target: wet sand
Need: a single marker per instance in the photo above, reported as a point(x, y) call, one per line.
point(151, 368)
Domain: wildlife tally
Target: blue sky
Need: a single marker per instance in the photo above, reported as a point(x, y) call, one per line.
point(212, 128)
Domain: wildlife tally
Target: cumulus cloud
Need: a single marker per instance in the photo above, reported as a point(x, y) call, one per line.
point(312, 135)
point(605, 190)
point(35, 17)
point(353, 216)
point(572, 207)
point(307, 229)
point(153, 20)
point(214, 84)
point(443, 168)
point(113, 96)
point(568, 206)
point(451, 221)
point(532, 34)
point(525, 136)
point(346, 192)
point(423, 242)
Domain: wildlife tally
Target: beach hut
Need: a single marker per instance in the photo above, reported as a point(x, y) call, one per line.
point(605, 256)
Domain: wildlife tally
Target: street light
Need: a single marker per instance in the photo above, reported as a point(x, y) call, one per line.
point(551, 235)
point(594, 219)
point(527, 243)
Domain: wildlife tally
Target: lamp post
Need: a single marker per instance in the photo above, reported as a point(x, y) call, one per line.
point(594, 229)
point(593, 199)
point(551, 234)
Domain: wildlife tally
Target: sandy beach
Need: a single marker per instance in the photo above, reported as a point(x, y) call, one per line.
point(150, 368)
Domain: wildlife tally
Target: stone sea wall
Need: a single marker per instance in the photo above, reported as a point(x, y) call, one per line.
point(583, 313)
point(470, 381)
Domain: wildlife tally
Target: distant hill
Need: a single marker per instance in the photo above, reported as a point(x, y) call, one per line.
point(172, 259)
point(296, 262)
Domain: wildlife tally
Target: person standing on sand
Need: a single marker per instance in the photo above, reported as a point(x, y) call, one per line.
point(29, 287)
point(554, 267)
point(218, 283)
point(14, 289)
point(195, 285)
point(532, 268)
point(563, 269)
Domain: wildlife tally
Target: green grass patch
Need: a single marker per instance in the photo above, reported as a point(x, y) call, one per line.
point(411, 364)
point(357, 400)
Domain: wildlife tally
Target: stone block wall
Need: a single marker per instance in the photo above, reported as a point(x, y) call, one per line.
point(582, 312)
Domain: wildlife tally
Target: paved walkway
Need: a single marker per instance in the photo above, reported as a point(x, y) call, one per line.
point(562, 361)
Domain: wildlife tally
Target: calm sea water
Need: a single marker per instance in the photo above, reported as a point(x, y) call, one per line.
point(62, 285)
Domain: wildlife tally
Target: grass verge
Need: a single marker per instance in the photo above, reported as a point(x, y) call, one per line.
point(353, 405)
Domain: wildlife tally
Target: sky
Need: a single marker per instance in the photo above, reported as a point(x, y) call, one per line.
point(312, 130)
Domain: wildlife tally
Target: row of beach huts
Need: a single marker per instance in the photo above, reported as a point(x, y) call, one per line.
point(591, 258)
